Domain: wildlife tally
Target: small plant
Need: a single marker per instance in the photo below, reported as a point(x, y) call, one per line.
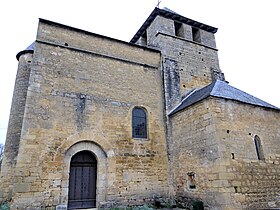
point(144, 207)
point(168, 205)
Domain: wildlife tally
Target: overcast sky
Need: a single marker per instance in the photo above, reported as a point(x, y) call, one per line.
point(248, 38)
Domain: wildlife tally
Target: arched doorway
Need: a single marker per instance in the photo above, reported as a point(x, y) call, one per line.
point(82, 181)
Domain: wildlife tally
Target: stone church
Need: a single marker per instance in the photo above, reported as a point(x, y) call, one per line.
point(97, 122)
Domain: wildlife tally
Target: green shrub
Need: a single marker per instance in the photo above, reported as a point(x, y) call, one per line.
point(145, 207)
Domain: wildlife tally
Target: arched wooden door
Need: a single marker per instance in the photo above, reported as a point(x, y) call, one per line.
point(82, 181)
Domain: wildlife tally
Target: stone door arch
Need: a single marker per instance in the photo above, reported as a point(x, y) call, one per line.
point(101, 172)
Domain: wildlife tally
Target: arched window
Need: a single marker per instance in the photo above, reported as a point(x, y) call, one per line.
point(259, 149)
point(139, 123)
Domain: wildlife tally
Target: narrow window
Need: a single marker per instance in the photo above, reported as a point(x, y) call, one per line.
point(179, 31)
point(259, 149)
point(191, 180)
point(139, 123)
point(196, 35)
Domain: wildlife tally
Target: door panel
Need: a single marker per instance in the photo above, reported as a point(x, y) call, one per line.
point(82, 181)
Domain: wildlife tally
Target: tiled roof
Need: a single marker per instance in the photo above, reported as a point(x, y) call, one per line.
point(220, 89)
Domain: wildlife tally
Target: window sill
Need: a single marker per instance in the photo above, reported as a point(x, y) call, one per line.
point(139, 139)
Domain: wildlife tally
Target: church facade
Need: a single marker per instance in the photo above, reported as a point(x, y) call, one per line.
point(97, 122)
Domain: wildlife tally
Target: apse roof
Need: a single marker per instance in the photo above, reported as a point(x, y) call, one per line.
point(167, 13)
point(220, 89)
point(29, 49)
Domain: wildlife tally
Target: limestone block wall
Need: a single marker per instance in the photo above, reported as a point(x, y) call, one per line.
point(194, 61)
point(15, 125)
point(207, 39)
point(159, 25)
point(81, 96)
point(255, 183)
point(195, 153)
point(214, 140)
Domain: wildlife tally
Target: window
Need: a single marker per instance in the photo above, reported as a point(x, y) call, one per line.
point(196, 35)
point(191, 180)
point(139, 123)
point(259, 149)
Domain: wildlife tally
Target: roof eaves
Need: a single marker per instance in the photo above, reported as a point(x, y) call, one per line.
point(193, 98)
point(175, 109)
point(145, 25)
point(174, 16)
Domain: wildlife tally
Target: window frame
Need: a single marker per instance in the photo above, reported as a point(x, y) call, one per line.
point(145, 135)
point(259, 148)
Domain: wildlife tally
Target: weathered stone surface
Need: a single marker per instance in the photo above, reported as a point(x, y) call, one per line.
point(87, 95)
point(76, 92)
point(236, 175)
point(22, 187)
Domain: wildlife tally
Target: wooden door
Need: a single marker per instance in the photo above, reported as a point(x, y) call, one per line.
point(82, 181)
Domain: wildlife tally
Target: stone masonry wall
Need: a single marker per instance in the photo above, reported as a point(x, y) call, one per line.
point(195, 151)
point(74, 38)
point(214, 140)
point(254, 183)
point(193, 62)
point(77, 92)
point(15, 125)
point(83, 94)
point(186, 65)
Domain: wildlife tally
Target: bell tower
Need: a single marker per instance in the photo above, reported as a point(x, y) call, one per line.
point(189, 53)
